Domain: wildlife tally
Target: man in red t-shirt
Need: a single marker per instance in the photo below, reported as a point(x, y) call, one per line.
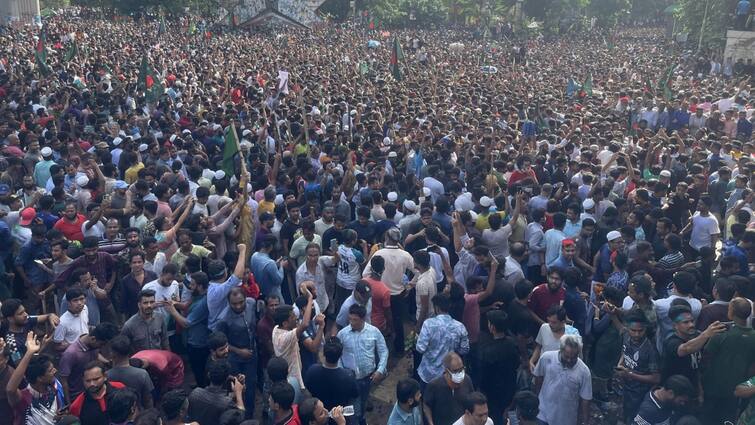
point(166, 366)
point(547, 294)
point(70, 223)
point(381, 296)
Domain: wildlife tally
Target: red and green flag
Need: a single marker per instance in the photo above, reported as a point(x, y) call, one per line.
point(587, 86)
point(665, 83)
point(149, 82)
point(40, 53)
point(397, 55)
point(72, 51)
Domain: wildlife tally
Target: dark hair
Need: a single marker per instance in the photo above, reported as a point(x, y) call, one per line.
point(497, 318)
point(680, 385)
point(674, 241)
point(120, 404)
point(121, 345)
point(684, 282)
point(277, 369)
point(406, 389)
point(307, 410)
point(90, 242)
point(282, 313)
point(677, 310)
point(725, 289)
point(358, 310)
point(145, 293)
point(37, 367)
point(217, 340)
point(104, 332)
point(218, 372)
point(283, 394)
point(422, 258)
point(172, 402)
point(232, 417)
point(558, 311)
point(475, 398)
point(442, 302)
point(527, 405)
point(377, 263)
point(10, 307)
point(74, 293)
point(201, 279)
point(559, 220)
point(522, 289)
point(332, 350)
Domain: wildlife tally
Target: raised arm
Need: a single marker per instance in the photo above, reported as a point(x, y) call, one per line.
point(491, 281)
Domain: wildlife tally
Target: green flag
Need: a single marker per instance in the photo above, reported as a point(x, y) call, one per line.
point(230, 150)
point(364, 68)
point(73, 50)
point(665, 83)
point(40, 53)
point(397, 55)
point(192, 28)
point(587, 86)
point(148, 81)
point(163, 28)
point(649, 86)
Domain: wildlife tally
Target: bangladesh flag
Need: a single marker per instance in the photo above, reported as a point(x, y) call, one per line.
point(148, 82)
point(40, 53)
point(192, 28)
point(73, 50)
point(230, 150)
point(163, 28)
point(397, 55)
point(363, 68)
point(665, 83)
point(587, 86)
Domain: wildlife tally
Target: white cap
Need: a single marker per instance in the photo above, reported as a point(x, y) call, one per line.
point(208, 174)
point(464, 202)
point(186, 131)
point(588, 203)
point(278, 199)
point(426, 191)
point(245, 144)
point(392, 196)
point(82, 181)
point(46, 151)
point(410, 205)
point(387, 141)
point(392, 154)
point(473, 215)
point(143, 147)
point(666, 173)
point(613, 235)
point(220, 174)
point(117, 141)
point(486, 201)
point(173, 138)
point(246, 132)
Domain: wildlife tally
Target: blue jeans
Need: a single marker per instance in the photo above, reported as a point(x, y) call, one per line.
point(360, 404)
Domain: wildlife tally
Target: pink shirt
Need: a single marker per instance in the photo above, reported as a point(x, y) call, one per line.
point(471, 317)
point(166, 365)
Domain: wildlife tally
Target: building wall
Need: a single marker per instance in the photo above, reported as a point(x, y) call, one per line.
point(740, 45)
point(22, 11)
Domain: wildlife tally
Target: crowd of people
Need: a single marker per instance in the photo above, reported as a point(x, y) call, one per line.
point(495, 248)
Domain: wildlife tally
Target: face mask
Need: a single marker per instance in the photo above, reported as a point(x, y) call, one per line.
point(457, 377)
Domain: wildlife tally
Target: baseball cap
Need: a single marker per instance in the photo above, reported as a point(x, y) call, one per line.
point(46, 151)
point(27, 215)
point(613, 235)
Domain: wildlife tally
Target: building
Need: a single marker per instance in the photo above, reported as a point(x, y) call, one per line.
point(301, 13)
point(19, 11)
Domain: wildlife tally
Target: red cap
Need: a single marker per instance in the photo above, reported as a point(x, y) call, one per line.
point(567, 242)
point(27, 215)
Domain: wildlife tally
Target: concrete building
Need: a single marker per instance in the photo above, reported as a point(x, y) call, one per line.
point(740, 45)
point(302, 13)
point(19, 11)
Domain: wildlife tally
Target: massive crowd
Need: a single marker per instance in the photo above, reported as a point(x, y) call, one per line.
point(536, 255)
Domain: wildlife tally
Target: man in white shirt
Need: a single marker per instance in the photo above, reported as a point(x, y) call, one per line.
point(703, 225)
point(475, 410)
point(166, 288)
point(74, 322)
point(683, 285)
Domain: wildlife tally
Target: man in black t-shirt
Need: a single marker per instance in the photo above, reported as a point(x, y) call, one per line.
point(659, 404)
point(682, 351)
point(333, 385)
point(639, 364)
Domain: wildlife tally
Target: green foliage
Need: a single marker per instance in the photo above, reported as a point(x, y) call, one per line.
point(691, 13)
point(54, 4)
point(609, 12)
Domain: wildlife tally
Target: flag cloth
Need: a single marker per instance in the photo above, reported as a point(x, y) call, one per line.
point(148, 81)
point(397, 55)
point(283, 81)
point(649, 86)
point(364, 68)
point(40, 53)
point(230, 150)
point(587, 86)
point(192, 28)
point(73, 50)
point(572, 87)
point(372, 24)
point(163, 26)
point(665, 83)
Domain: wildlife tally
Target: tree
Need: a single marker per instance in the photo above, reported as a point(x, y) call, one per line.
point(608, 12)
point(717, 19)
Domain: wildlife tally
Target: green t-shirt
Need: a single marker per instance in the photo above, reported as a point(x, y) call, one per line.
point(727, 360)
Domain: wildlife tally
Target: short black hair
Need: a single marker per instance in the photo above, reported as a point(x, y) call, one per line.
point(282, 313)
point(145, 293)
point(277, 369)
point(283, 394)
point(37, 367)
point(172, 402)
point(475, 398)
point(10, 307)
point(332, 350)
point(406, 389)
point(120, 404)
point(121, 345)
point(358, 310)
point(497, 318)
point(218, 372)
point(527, 405)
point(104, 332)
point(217, 340)
point(680, 385)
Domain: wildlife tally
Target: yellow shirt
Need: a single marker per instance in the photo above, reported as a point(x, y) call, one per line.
point(132, 173)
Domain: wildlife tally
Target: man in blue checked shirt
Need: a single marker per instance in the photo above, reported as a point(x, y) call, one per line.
point(439, 336)
point(360, 343)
